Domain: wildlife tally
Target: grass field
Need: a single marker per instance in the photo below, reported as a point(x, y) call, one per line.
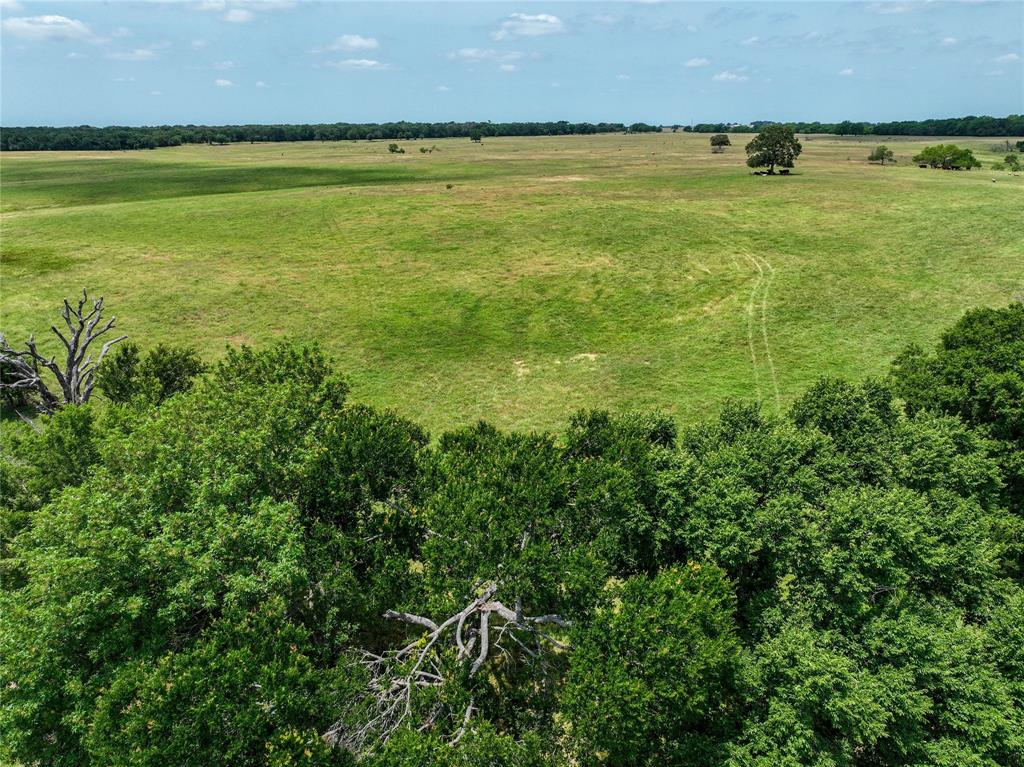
point(555, 273)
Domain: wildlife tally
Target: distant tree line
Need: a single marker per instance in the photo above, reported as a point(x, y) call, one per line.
point(87, 137)
point(1013, 125)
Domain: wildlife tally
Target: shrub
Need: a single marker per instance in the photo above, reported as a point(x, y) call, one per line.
point(172, 367)
point(881, 154)
point(118, 376)
point(164, 371)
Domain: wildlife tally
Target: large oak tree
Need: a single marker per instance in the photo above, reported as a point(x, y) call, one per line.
point(775, 145)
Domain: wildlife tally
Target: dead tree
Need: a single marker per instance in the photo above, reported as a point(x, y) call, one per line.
point(397, 676)
point(76, 376)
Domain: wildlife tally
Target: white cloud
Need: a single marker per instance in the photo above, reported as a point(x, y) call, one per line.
point(49, 27)
point(74, 55)
point(485, 54)
point(198, 44)
point(442, 89)
point(242, 11)
point(607, 18)
point(751, 40)
point(224, 65)
point(354, 43)
point(220, 83)
point(845, 72)
point(137, 54)
point(11, 6)
point(730, 76)
point(238, 16)
point(1009, 58)
point(508, 67)
point(697, 62)
point(124, 79)
point(261, 84)
point(886, 9)
point(156, 93)
point(121, 32)
point(622, 77)
point(948, 41)
point(268, 5)
point(364, 65)
point(528, 25)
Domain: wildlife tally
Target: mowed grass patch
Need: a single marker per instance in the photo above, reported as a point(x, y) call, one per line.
point(555, 273)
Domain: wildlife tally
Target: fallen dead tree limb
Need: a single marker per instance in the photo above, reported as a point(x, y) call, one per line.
point(483, 628)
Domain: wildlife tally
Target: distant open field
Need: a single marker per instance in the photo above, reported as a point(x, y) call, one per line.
point(556, 273)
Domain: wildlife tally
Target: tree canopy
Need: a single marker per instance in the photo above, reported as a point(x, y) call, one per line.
point(775, 145)
point(255, 570)
point(947, 157)
point(719, 141)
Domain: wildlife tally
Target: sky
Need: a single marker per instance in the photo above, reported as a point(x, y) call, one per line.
point(297, 61)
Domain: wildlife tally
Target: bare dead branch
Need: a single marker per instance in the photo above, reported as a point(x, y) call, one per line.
point(409, 618)
point(77, 377)
point(465, 723)
point(395, 676)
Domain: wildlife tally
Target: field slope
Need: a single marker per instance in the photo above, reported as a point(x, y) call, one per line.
point(525, 277)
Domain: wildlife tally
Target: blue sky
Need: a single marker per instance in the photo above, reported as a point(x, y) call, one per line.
point(236, 61)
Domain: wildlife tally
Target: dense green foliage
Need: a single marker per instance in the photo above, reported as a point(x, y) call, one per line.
point(1012, 125)
point(163, 371)
point(947, 157)
point(150, 137)
point(719, 142)
point(192, 583)
point(775, 145)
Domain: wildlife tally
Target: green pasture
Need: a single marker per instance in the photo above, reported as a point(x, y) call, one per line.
point(523, 278)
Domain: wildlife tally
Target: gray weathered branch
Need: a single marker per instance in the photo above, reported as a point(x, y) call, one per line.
point(77, 377)
point(395, 676)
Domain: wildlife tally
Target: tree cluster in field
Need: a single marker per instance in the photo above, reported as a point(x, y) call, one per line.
point(86, 137)
point(240, 566)
point(1011, 162)
point(1013, 125)
point(947, 157)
